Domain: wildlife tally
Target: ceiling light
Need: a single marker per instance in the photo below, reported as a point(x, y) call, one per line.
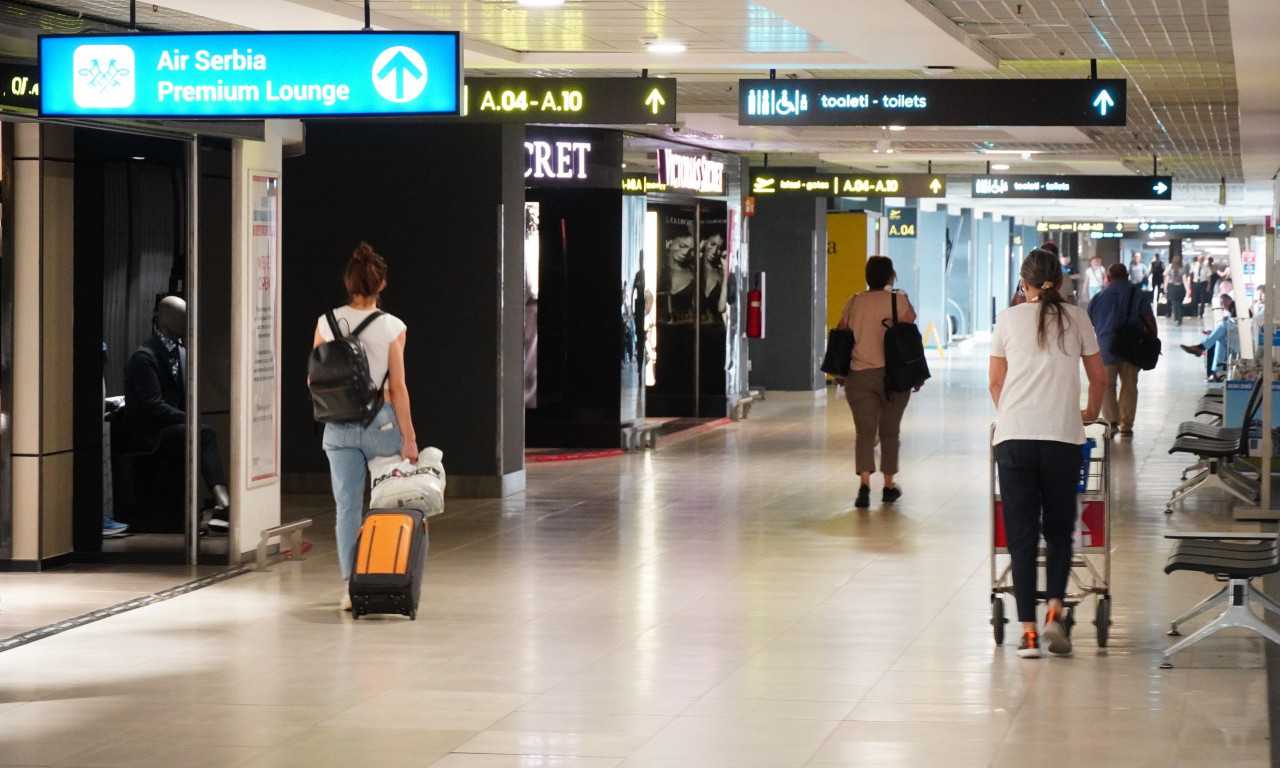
point(1158, 243)
point(1026, 153)
point(1000, 167)
point(539, 3)
point(939, 70)
point(665, 46)
point(897, 127)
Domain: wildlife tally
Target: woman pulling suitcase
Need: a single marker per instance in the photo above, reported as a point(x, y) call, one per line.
point(349, 446)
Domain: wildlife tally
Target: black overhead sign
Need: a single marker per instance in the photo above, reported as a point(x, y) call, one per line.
point(582, 100)
point(931, 102)
point(792, 184)
point(1183, 227)
point(1075, 187)
point(19, 86)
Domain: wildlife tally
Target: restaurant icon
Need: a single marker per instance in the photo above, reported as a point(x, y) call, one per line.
point(104, 76)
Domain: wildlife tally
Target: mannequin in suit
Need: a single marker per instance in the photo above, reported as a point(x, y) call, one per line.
point(155, 392)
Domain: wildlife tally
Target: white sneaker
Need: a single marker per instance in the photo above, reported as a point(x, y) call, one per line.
point(345, 603)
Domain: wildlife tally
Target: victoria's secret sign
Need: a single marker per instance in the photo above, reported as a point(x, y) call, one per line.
point(697, 173)
point(557, 157)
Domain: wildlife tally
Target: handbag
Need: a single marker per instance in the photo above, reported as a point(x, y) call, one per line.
point(905, 367)
point(1133, 341)
point(839, 353)
point(397, 482)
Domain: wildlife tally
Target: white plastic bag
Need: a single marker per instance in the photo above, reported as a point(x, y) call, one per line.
point(400, 483)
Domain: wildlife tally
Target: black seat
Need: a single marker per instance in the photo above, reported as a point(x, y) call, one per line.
point(1236, 559)
point(1215, 450)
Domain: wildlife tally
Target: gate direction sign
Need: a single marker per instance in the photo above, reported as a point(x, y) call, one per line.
point(932, 102)
point(1074, 187)
point(902, 221)
point(796, 183)
point(227, 75)
point(582, 100)
point(19, 86)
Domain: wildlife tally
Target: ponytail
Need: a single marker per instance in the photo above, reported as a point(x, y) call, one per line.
point(1041, 268)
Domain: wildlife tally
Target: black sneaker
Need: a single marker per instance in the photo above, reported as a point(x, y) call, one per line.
point(1030, 646)
point(864, 497)
point(1192, 349)
point(891, 494)
point(1055, 634)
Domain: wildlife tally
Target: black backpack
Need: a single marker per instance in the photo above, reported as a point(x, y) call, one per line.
point(904, 365)
point(342, 391)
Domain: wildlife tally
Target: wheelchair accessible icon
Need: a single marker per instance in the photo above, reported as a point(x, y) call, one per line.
point(399, 74)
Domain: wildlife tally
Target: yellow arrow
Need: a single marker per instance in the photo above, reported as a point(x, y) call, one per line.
point(935, 185)
point(654, 100)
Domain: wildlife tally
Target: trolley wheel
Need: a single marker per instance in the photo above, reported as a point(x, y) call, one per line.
point(1103, 620)
point(997, 618)
point(1069, 621)
point(1168, 510)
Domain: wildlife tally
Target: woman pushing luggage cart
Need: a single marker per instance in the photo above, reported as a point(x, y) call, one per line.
point(1037, 351)
point(1091, 562)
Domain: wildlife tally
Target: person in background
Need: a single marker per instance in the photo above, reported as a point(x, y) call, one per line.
point(1138, 274)
point(1094, 279)
point(1120, 304)
point(1177, 285)
point(1157, 278)
point(1223, 340)
point(1201, 274)
point(1034, 378)
point(877, 413)
point(349, 446)
point(155, 404)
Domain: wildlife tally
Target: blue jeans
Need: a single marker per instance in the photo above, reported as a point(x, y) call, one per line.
point(349, 448)
point(1038, 493)
point(1219, 344)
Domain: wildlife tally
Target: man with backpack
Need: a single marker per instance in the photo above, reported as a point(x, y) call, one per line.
point(1119, 304)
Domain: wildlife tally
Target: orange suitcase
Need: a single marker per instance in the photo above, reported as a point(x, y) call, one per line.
point(390, 556)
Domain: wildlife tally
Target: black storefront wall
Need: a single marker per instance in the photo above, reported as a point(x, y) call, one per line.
point(580, 342)
point(788, 244)
point(444, 205)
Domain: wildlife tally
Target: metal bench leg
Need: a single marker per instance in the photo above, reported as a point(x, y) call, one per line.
point(1237, 614)
point(1217, 597)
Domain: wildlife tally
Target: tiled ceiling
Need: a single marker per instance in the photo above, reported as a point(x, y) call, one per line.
point(1176, 54)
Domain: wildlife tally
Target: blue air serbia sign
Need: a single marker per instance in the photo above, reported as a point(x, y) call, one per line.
point(251, 75)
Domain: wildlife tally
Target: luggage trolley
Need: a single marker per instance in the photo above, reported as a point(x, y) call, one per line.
point(1091, 558)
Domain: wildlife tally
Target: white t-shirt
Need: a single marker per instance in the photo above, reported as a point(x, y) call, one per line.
point(376, 338)
point(1040, 399)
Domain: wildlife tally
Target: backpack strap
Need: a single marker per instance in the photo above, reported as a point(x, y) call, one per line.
point(893, 307)
point(333, 324)
point(379, 313)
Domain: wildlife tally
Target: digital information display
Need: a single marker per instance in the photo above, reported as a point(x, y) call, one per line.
point(1075, 187)
point(19, 86)
point(591, 100)
point(931, 102)
point(251, 75)
point(764, 183)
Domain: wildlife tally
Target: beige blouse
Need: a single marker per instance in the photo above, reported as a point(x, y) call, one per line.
point(864, 313)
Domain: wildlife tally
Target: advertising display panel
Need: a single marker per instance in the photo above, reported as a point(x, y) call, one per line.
point(251, 75)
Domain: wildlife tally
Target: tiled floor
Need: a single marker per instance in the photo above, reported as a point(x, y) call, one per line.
point(715, 604)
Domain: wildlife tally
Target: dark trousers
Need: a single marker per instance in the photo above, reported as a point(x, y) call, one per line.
point(1038, 481)
point(174, 438)
point(1176, 294)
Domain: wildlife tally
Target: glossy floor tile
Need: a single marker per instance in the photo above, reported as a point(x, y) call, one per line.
point(716, 603)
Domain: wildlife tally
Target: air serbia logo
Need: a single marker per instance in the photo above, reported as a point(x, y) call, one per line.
point(104, 76)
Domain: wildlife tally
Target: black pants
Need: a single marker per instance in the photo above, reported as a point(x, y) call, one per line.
point(174, 438)
point(1038, 481)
